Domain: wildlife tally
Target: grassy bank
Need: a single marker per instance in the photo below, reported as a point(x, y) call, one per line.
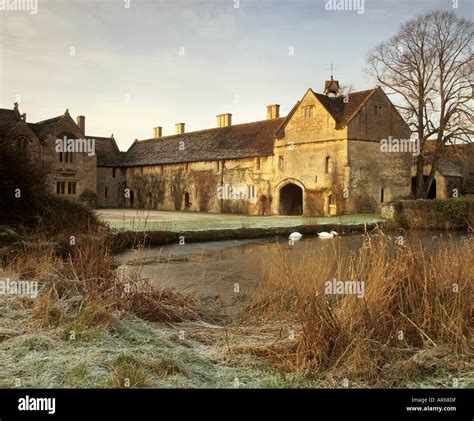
point(126, 219)
point(121, 240)
point(146, 354)
point(94, 326)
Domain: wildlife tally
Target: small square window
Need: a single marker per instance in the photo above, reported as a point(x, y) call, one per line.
point(377, 110)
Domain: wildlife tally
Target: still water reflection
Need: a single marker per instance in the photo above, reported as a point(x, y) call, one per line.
point(212, 270)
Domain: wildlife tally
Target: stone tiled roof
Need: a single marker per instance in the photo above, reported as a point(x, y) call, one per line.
point(450, 167)
point(454, 160)
point(107, 151)
point(8, 120)
point(7, 117)
point(344, 110)
point(43, 128)
point(237, 141)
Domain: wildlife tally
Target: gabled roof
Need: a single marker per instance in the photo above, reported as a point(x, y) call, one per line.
point(281, 130)
point(237, 141)
point(7, 116)
point(342, 108)
point(452, 163)
point(43, 128)
point(107, 151)
point(450, 167)
point(345, 107)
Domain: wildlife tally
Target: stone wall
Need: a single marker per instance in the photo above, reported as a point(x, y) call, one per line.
point(300, 157)
point(372, 171)
point(431, 214)
point(371, 125)
point(110, 186)
point(82, 170)
point(377, 176)
point(166, 187)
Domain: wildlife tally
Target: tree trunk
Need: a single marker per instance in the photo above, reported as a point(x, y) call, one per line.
point(420, 182)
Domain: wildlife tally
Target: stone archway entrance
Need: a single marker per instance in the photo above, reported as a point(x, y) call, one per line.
point(291, 200)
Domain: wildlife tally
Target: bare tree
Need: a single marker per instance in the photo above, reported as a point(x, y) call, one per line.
point(426, 66)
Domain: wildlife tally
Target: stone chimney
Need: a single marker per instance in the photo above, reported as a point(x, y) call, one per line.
point(81, 122)
point(273, 111)
point(224, 120)
point(157, 132)
point(179, 128)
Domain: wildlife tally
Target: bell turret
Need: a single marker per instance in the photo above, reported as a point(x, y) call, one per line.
point(331, 88)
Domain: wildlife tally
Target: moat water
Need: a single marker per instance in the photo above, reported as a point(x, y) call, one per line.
point(211, 270)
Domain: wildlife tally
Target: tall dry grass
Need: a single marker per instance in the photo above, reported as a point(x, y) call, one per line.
point(87, 281)
point(412, 299)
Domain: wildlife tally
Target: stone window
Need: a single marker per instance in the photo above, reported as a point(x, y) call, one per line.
point(308, 111)
point(22, 146)
point(67, 156)
point(257, 164)
point(377, 110)
point(60, 187)
point(113, 172)
point(217, 166)
point(60, 156)
point(327, 165)
point(382, 195)
point(71, 187)
point(281, 163)
point(251, 192)
point(106, 192)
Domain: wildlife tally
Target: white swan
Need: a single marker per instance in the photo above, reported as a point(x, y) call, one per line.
point(327, 234)
point(295, 236)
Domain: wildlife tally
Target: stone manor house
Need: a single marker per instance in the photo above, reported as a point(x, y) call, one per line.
point(323, 158)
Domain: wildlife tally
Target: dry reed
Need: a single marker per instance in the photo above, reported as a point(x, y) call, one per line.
point(412, 299)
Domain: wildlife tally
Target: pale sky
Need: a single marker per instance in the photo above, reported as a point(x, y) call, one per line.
point(127, 75)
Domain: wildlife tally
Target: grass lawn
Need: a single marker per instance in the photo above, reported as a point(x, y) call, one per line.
point(139, 220)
